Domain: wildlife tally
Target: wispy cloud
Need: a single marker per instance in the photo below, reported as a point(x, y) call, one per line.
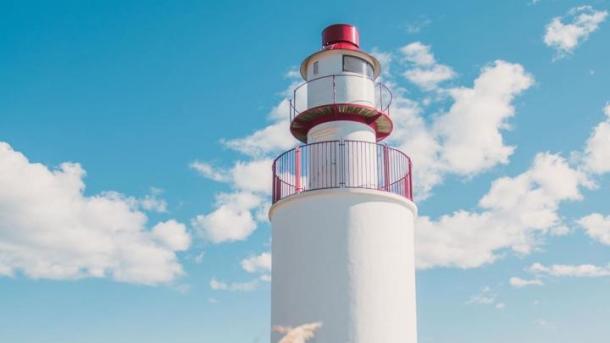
point(210, 172)
point(486, 297)
point(566, 270)
point(520, 283)
point(416, 26)
point(425, 71)
point(247, 286)
point(565, 34)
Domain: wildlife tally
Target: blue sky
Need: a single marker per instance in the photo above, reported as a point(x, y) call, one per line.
point(169, 114)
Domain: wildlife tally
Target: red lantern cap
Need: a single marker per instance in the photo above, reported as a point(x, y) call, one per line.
point(341, 36)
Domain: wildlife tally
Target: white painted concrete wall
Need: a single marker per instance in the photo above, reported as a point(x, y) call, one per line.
point(341, 129)
point(345, 257)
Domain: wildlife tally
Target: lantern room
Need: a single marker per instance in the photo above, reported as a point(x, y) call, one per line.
point(340, 98)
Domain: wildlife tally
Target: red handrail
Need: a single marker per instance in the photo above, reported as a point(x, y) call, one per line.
point(299, 94)
point(342, 164)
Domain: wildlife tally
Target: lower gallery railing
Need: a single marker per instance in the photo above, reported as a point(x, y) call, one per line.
point(342, 164)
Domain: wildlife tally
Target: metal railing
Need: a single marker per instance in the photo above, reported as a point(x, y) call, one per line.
point(299, 101)
point(342, 164)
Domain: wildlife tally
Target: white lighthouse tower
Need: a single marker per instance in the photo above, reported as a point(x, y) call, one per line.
point(342, 215)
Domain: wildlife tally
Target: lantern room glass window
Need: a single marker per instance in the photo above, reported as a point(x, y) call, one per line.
point(357, 65)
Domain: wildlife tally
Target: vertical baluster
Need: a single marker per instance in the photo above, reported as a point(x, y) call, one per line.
point(341, 163)
point(409, 192)
point(297, 169)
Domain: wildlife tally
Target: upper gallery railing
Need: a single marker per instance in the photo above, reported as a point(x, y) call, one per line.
point(340, 89)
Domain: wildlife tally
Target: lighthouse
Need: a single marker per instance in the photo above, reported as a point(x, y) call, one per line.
point(343, 214)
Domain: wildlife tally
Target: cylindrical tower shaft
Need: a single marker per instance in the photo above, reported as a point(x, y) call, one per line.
point(345, 258)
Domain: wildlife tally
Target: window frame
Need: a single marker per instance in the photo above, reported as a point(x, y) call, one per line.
point(370, 68)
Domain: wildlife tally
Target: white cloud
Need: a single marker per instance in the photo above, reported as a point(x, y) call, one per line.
point(257, 264)
point(231, 220)
point(271, 139)
point(471, 131)
point(253, 176)
point(425, 72)
point(50, 229)
point(467, 139)
point(597, 227)
point(419, 54)
point(565, 34)
point(150, 202)
point(207, 170)
point(520, 283)
point(413, 136)
point(429, 78)
point(597, 153)
point(235, 214)
point(247, 286)
point(515, 213)
point(565, 270)
point(250, 176)
point(173, 235)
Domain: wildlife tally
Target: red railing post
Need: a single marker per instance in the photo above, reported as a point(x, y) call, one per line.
point(386, 168)
point(297, 169)
point(335, 168)
point(409, 185)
